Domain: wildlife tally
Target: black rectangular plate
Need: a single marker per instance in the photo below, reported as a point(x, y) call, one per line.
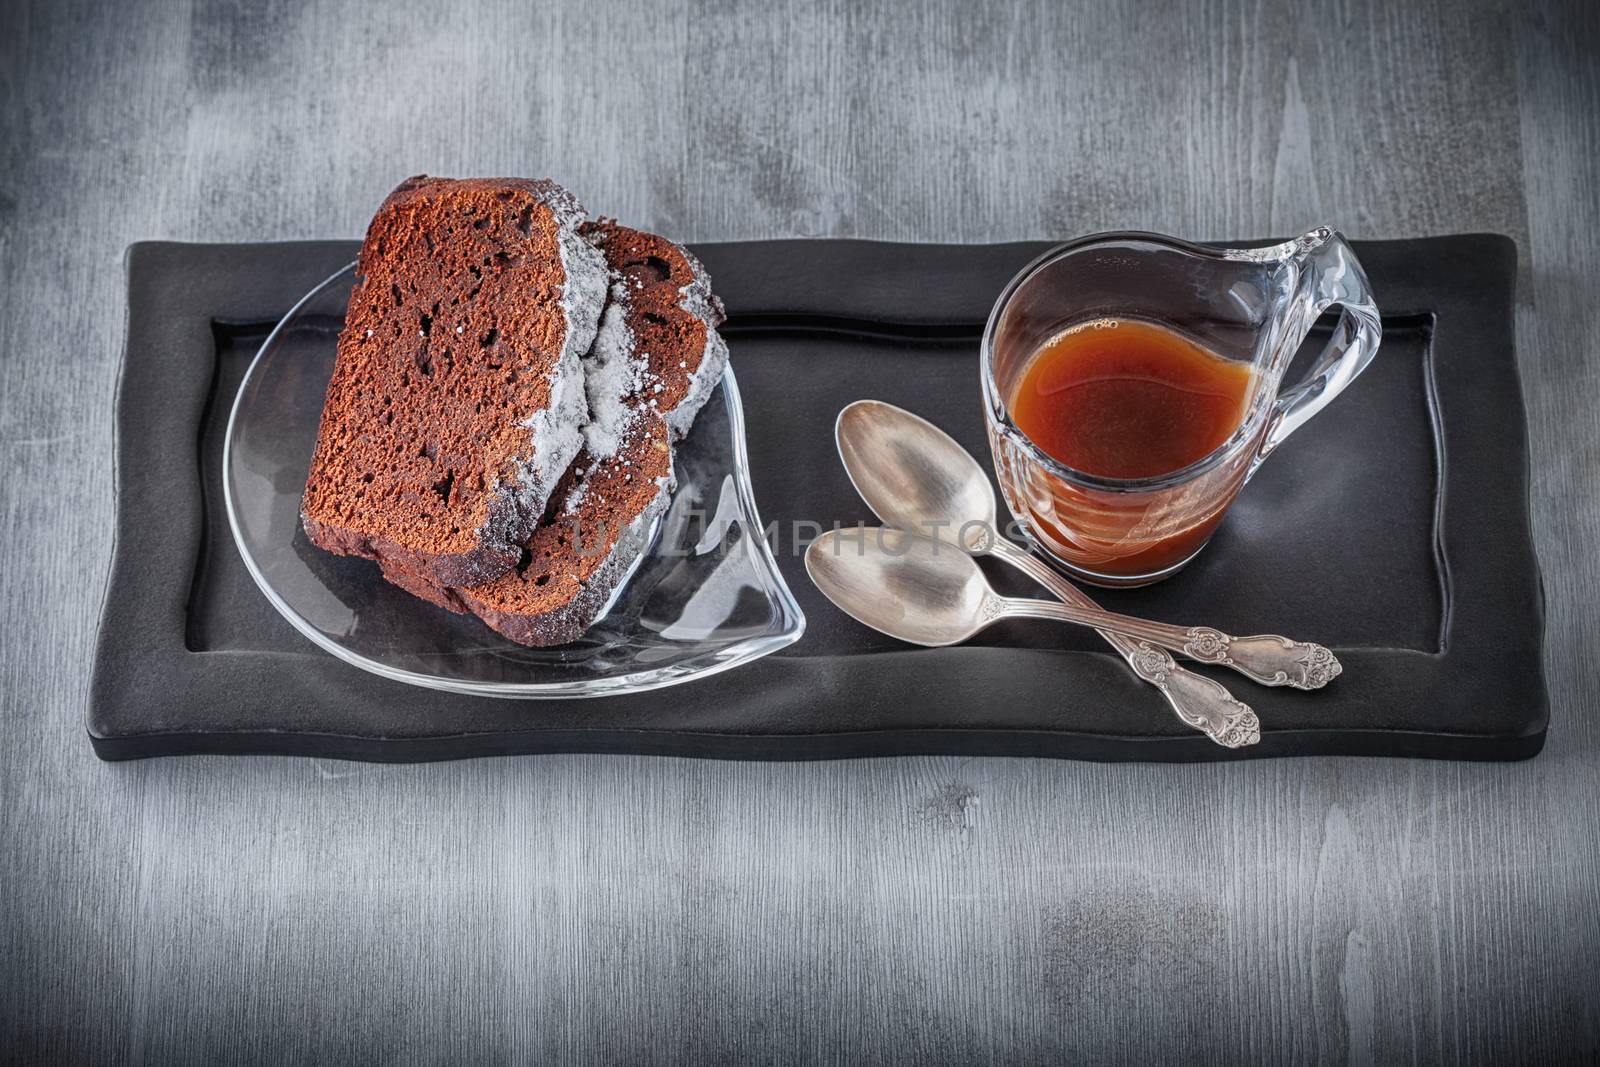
point(1393, 527)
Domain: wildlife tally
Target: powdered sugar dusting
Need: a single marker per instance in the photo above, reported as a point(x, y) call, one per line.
point(556, 436)
point(615, 372)
point(583, 294)
point(575, 498)
point(697, 299)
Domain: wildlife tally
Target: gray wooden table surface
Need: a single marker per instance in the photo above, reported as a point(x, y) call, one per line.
point(219, 910)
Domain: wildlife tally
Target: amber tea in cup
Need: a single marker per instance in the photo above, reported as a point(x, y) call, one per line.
point(1125, 398)
point(1132, 386)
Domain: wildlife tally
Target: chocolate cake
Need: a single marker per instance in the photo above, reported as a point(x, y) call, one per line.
point(648, 365)
point(457, 395)
point(655, 360)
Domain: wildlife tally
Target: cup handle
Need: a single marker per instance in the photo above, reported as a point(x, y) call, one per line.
point(1328, 275)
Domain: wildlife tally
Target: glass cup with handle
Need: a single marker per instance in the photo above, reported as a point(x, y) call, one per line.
point(1252, 307)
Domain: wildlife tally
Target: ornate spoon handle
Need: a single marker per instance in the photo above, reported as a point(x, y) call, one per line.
point(1200, 702)
point(1264, 658)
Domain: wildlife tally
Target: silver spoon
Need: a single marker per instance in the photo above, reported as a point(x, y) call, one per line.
point(915, 476)
point(931, 592)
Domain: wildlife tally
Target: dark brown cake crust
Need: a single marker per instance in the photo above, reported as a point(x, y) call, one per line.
point(456, 396)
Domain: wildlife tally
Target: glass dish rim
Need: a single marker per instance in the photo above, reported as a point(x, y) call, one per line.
point(999, 417)
point(792, 618)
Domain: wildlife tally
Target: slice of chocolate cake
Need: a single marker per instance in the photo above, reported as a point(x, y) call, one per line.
point(654, 363)
point(457, 395)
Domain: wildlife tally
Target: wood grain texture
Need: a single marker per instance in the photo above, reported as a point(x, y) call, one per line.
point(920, 910)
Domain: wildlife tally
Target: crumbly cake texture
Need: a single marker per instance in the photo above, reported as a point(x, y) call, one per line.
point(457, 397)
point(651, 361)
point(599, 522)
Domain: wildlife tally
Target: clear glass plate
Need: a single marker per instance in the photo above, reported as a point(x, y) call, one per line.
point(705, 597)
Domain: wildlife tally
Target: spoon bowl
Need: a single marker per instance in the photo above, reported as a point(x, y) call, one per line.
point(912, 588)
point(912, 474)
